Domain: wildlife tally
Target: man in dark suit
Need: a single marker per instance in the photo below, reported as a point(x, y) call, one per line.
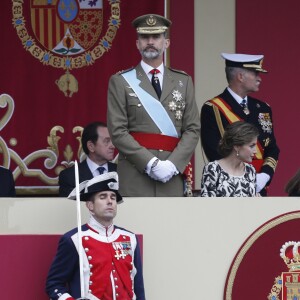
point(153, 117)
point(7, 184)
point(243, 76)
point(97, 145)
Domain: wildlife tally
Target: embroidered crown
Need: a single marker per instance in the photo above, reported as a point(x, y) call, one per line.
point(289, 252)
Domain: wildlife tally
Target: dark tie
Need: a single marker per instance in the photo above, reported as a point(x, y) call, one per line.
point(155, 82)
point(101, 170)
point(244, 103)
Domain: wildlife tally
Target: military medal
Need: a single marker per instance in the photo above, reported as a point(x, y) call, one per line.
point(264, 119)
point(177, 104)
point(246, 110)
point(122, 249)
point(172, 106)
point(120, 254)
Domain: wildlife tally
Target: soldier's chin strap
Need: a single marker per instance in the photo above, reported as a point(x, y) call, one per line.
point(80, 254)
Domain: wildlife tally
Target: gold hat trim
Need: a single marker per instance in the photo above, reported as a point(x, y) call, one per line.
point(252, 66)
point(147, 30)
point(255, 66)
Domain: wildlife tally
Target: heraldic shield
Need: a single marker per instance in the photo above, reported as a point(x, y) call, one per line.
point(67, 27)
point(290, 281)
point(267, 265)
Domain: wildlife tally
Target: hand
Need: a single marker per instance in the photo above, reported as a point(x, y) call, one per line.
point(261, 181)
point(163, 171)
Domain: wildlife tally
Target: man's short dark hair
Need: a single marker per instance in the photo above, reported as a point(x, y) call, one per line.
point(90, 134)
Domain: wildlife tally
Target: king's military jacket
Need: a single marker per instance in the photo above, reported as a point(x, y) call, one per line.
point(127, 114)
point(111, 263)
point(260, 114)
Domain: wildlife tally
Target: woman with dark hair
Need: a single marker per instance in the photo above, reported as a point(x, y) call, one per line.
point(233, 175)
point(293, 185)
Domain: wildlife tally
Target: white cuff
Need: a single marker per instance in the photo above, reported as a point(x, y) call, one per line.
point(149, 164)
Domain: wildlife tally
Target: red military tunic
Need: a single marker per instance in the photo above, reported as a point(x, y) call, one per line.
point(111, 265)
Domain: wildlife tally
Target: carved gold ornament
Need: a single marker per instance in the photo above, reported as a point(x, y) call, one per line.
point(50, 154)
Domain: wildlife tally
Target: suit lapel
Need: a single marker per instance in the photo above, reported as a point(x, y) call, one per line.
point(84, 171)
point(233, 104)
point(145, 82)
point(111, 167)
point(168, 84)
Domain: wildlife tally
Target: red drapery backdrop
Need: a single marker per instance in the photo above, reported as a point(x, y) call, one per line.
point(41, 114)
point(255, 272)
point(271, 28)
point(23, 252)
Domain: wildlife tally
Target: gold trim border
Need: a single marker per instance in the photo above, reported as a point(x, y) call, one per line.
point(250, 241)
point(38, 191)
point(64, 61)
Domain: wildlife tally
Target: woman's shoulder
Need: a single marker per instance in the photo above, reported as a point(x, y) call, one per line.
point(212, 165)
point(249, 168)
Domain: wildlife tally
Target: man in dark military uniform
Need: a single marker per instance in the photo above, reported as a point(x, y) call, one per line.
point(153, 118)
point(243, 76)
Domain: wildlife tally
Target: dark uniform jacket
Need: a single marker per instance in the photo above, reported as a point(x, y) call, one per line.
point(7, 184)
point(260, 115)
point(66, 179)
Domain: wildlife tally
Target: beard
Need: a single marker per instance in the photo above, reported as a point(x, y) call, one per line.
point(150, 54)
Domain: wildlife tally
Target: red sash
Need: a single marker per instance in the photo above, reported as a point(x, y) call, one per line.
point(156, 141)
point(161, 142)
point(231, 117)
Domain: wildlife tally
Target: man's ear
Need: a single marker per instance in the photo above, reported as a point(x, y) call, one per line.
point(90, 206)
point(90, 145)
point(240, 76)
point(167, 43)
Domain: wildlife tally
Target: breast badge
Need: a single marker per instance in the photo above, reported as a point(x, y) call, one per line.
point(264, 120)
point(133, 95)
point(122, 249)
point(177, 104)
point(288, 284)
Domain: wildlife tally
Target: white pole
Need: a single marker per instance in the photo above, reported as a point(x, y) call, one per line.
point(79, 230)
point(165, 15)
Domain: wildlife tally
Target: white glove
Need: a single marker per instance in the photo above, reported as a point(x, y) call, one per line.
point(149, 164)
point(261, 181)
point(163, 171)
